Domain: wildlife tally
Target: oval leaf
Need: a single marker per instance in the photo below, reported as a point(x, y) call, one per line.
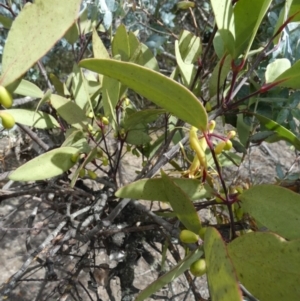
point(267, 265)
point(158, 88)
point(39, 120)
point(54, 18)
point(221, 276)
point(48, 165)
point(153, 189)
point(275, 207)
point(27, 88)
point(276, 68)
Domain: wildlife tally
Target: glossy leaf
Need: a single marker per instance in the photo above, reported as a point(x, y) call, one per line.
point(37, 119)
point(53, 17)
point(179, 269)
point(276, 68)
point(281, 132)
point(221, 276)
point(27, 88)
point(158, 88)
point(248, 16)
point(291, 77)
point(45, 166)
point(69, 111)
point(267, 265)
point(275, 207)
point(190, 47)
point(153, 189)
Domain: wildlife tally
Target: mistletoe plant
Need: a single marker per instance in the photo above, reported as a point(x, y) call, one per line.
point(90, 104)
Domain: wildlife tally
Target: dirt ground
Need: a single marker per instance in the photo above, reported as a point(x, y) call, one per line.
point(259, 167)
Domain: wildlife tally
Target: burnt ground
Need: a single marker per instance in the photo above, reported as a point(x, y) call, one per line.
point(62, 244)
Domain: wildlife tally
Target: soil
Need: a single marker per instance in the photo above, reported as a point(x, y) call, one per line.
point(121, 277)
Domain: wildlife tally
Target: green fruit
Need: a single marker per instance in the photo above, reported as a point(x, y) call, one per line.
point(75, 158)
point(188, 237)
point(8, 120)
point(92, 174)
point(198, 268)
point(5, 98)
point(228, 145)
point(202, 232)
point(104, 161)
point(105, 121)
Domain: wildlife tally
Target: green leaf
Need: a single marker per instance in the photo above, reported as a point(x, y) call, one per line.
point(190, 47)
point(275, 207)
point(143, 117)
point(276, 68)
point(137, 136)
point(58, 85)
point(224, 18)
point(179, 269)
point(153, 189)
point(69, 111)
point(221, 276)
point(248, 16)
point(26, 42)
point(120, 43)
point(48, 165)
point(6, 22)
point(187, 71)
point(267, 265)
point(181, 204)
point(291, 77)
point(77, 139)
point(99, 50)
point(72, 34)
point(27, 88)
point(37, 119)
point(158, 88)
point(281, 132)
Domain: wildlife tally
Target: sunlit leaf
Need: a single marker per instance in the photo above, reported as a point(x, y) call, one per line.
point(158, 88)
point(37, 119)
point(276, 68)
point(221, 276)
point(27, 42)
point(153, 189)
point(45, 166)
point(267, 265)
point(275, 207)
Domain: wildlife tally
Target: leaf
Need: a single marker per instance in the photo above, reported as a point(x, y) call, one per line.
point(77, 139)
point(221, 276)
point(27, 88)
point(120, 43)
point(99, 50)
point(224, 18)
point(153, 189)
point(179, 269)
point(275, 207)
point(47, 165)
point(181, 204)
point(248, 16)
point(291, 77)
point(53, 17)
point(137, 137)
point(281, 132)
point(37, 119)
point(158, 88)
point(190, 47)
point(276, 68)
point(142, 117)
point(267, 265)
point(72, 34)
point(69, 111)
point(6, 22)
